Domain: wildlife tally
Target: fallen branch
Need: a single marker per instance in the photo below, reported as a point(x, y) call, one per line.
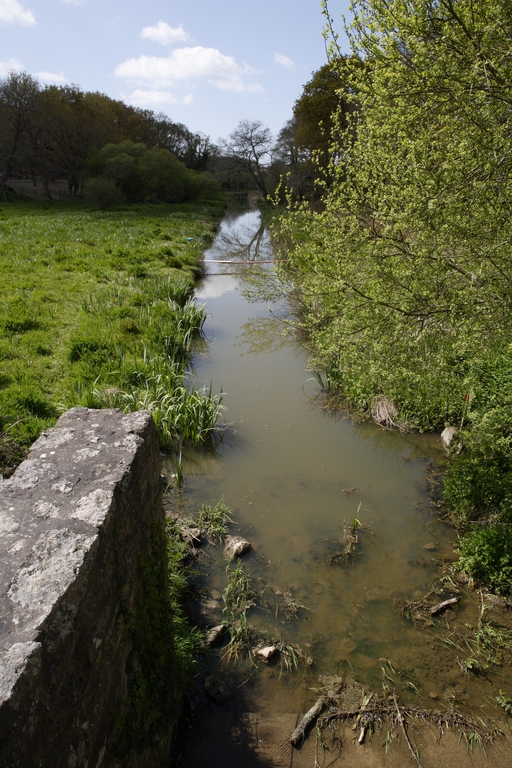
point(406, 735)
point(441, 606)
point(443, 720)
point(311, 715)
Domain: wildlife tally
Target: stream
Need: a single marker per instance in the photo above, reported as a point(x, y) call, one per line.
point(295, 477)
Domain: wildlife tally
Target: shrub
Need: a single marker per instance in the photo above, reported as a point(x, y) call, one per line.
point(103, 193)
point(85, 347)
point(486, 554)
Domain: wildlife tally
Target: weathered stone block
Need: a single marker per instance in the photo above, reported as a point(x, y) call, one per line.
point(76, 520)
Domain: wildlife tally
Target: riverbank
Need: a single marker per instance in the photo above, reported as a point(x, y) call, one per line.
point(93, 305)
point(410, 380)
point(97, 311)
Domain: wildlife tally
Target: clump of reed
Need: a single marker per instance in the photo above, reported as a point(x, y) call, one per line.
point(213, 521)
point(181, 413)
point(238, 599)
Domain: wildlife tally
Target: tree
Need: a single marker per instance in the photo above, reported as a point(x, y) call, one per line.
point(18, 104)
point(292, 164)
point(249, 149)
point(143, 174)
point(52, 130)
point(407, 270)
point(320, 109)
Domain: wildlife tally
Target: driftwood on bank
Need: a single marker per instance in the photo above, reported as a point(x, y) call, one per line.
point(311, 715)
point(441, 606)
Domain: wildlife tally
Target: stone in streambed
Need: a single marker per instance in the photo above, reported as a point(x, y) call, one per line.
point(217, 689)
point(214, 636)
point(447, 436)
point(236, 547)
point(266, 653)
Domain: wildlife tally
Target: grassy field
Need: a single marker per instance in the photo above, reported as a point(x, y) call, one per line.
point(94, 312)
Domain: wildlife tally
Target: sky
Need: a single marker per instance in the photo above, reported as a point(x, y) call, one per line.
point(202, 63)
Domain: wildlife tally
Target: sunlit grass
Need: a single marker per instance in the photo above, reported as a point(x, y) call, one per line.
point(90, 300)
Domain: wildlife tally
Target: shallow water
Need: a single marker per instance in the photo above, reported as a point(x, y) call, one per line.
point(293, 476)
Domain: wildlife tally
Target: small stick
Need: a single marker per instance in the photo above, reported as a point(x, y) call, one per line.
point(401, 721)
point(445, 604)
point(310, 716)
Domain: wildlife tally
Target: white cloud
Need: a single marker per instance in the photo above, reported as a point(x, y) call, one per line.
point(164, 34)
point(284, 61)
point(73, 2)
point(9, 65)
point(185, 64)
point(52, 77)
point(140, 98)
point(212, 288)
point(12, 12)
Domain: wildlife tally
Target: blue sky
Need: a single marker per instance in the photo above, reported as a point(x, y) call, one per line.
point(206, 64)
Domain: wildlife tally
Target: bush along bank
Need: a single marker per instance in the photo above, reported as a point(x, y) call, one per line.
point(403, 279)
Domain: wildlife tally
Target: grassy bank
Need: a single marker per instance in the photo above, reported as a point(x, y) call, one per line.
point(94, 312)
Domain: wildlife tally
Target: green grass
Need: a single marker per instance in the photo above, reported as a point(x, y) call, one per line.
point(213, 521)
point(90, 301)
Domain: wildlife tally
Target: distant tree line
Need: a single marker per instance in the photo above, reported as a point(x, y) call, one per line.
point(52, 131)
point(116, 151)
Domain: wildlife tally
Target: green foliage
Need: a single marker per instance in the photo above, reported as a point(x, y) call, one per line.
point(102, 192)
point(162, 663)
point(407, 268)
point(486, 554)
point(138, 174)
point(58, 131)
point(402, 279)
point(213, 521)
point(180, 414)
point(186, 639)
point(78, 328)
point(238, 598)
point(478, 484)
point(318, 109)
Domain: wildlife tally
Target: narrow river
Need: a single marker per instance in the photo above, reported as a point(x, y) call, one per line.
point(294, 476)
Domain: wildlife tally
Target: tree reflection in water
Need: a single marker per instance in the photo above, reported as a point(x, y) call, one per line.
point(242, 238)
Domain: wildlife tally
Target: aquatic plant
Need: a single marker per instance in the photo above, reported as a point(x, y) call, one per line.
point(179, 470)
point(238, 598)
point(213, 521)
point(180, 414)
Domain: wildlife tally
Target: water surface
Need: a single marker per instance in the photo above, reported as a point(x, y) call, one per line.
point(294, 476)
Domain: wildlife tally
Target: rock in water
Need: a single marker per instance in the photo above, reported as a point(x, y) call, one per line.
point(217, 689)
point(447, 436)
point(236, 547)
point(214, 636)
point(266, 653)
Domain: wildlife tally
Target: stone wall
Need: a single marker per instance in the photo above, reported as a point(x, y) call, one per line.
point(78, 520)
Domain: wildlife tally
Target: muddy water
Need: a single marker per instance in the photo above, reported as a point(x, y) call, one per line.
point(294, 476)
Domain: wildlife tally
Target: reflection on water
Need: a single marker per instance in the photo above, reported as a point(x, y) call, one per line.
point(262, 335)
point(241, 237)
point(293, 476)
